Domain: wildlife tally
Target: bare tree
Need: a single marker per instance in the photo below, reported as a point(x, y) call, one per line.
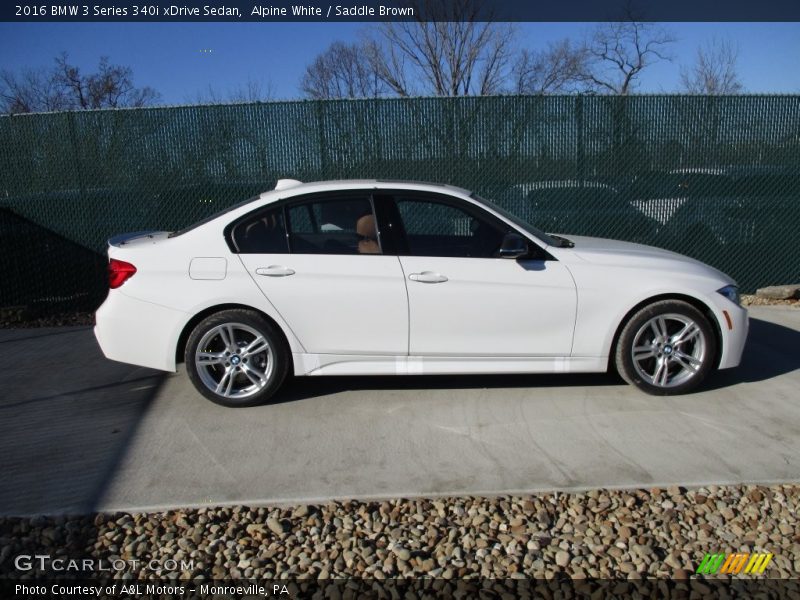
point(65, 87)
point(558, 69)
point(450, 50)
point(618, 52)
point(251, 91)
point(714, 71)
point(30, 91)
point(342, 71)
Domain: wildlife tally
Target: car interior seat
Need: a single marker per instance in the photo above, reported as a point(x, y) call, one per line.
point(367, 231)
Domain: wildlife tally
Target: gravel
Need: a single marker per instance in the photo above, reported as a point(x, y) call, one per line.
point(21, 320)
point(601, 533)
point(753, 300)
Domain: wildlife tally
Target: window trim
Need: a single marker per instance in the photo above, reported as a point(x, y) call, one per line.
point(392, 240)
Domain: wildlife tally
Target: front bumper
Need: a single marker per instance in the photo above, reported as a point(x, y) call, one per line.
point(734, 332)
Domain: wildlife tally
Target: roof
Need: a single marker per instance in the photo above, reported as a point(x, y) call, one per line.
point(296, 186)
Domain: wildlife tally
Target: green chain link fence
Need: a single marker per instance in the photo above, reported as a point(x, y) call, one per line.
point(717, 178)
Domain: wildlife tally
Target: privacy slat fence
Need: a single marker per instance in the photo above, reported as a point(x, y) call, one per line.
point(717, 178)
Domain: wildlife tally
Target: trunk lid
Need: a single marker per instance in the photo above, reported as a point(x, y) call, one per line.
point(137, 238)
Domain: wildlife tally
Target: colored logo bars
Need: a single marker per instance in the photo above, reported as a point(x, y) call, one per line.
point(734, 564)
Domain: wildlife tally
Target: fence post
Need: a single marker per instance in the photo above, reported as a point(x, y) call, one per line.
point(580, 150)
point(323, 147)
point(73, 138)
point(99, 268)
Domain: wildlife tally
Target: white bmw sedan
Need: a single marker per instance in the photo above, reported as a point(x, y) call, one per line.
point(397, 278)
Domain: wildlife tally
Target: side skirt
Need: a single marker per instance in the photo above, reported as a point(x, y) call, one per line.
point(349, 364)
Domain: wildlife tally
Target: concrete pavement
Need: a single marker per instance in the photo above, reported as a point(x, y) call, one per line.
point(66, 418)
point(381, 437)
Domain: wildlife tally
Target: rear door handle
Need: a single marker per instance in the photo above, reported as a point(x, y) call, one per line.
point(275, 271)
point(427, 277)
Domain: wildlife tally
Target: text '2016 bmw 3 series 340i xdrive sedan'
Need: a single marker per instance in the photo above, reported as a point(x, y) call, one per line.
point(394, 278)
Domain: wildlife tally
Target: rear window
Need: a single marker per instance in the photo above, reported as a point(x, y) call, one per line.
point(212, 217)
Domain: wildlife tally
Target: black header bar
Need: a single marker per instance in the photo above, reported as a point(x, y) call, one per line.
point(394, 10)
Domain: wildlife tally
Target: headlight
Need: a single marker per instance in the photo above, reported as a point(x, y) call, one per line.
point(731, 292)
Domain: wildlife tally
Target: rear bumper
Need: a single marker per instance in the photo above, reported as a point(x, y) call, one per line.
point(138, 332)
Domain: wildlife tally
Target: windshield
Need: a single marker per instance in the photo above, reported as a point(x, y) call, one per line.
point(521, 223)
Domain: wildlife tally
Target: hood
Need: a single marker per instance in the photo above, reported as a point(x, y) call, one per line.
point(614, 252)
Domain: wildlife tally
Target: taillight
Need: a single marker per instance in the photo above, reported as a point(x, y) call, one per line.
point(119, 272)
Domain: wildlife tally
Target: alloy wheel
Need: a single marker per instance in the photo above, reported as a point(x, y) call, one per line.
point(234, 360)
point(669, 350)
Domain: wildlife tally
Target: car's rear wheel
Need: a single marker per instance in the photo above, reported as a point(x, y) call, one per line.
point(236, 358)
point(666, 348)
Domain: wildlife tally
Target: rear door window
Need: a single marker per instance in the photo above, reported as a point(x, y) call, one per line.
point(333, 226)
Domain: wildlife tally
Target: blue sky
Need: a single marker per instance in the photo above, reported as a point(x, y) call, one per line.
point(169, 57)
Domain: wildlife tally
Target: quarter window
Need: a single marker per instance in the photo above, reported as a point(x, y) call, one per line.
point(263, 233)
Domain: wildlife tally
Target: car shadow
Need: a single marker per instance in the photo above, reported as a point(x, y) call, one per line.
point(13, 336)
point(771, 351)
point(300, 388)
point(67, 417)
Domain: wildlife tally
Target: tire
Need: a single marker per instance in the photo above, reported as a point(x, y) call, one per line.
point(688, 350)
point(226, 363)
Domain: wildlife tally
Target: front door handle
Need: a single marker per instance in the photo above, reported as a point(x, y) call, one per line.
point(427, 277)
point(275, 271)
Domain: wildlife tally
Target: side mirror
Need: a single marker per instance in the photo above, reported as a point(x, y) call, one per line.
point(514, 246)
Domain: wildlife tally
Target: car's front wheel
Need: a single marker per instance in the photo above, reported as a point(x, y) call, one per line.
point(665, 348)
point(236, 358)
